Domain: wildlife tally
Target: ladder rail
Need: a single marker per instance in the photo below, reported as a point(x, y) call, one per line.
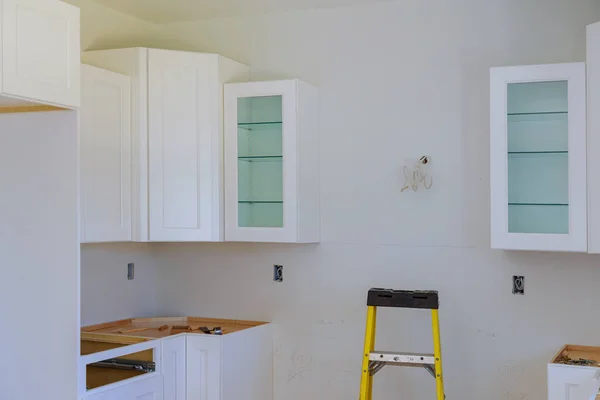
point(437, 353)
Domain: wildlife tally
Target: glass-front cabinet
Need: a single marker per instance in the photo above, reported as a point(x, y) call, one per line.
point(271, 162)
point(538, 158)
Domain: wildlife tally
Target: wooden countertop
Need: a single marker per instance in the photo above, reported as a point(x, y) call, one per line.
point(150, 328)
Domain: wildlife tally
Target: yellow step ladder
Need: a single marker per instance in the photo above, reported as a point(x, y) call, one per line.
point(373, 360)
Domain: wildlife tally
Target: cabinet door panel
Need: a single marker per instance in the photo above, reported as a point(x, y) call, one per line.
point(145, 389)
point(41, 51)
point(183, 168)
point(538, 158)
point(203, 368)
point(105, 156)
point(174, 368)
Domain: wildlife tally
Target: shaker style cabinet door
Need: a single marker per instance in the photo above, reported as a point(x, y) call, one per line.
point(183, 122)
point(105, 151)
point(538, 158)
point(41, 51)
point(174, 368)
point(203, 367)
point(145, 389)
point(271, 162)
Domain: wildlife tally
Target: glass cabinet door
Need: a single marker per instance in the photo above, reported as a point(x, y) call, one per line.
point(260, 161)
point(538, 157)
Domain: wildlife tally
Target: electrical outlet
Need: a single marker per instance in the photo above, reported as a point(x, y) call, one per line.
point(518, 284)
point(130, 271)
point(278, 273)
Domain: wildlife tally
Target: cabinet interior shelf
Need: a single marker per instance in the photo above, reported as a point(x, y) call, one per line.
point(257, 126)
point(260, 202)
point(250, 158)
point(540, 152)
point(541, 113)
point(538, 204)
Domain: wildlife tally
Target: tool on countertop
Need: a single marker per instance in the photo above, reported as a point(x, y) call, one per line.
point(373, 361)
point(215, 331)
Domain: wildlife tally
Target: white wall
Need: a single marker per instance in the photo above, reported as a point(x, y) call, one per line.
point(106, 293)
point(39, 255)
point(398, 80)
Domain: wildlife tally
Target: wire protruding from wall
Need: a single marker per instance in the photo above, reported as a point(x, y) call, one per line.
point(417, 175)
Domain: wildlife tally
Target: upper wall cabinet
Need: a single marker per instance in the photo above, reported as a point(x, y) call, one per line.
point(271, 162)
point(177, 131)
point(538, 158)
point(40, 53)
point(105, 148)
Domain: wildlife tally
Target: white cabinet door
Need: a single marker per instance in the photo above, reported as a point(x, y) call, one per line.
point(538, 158)
point(567, 382)
point(41, 51)
point(203, 367)
point(105, 156)
point(174, 368)
point(271, 162)
point(183, 164)
point(145, 389)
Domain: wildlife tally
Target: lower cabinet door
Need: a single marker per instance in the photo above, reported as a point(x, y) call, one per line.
point(203, 367)
point(145, 389)
point(567, 382)
point(174, 366)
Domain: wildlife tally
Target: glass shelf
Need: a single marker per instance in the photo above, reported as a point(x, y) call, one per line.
point(261, 158)
point(537, 204)
point(260, 202)
point(541, 113)
point(260, 126)
point(539, 152)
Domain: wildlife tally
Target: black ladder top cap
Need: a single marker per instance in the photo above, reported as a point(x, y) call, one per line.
point(427, 299)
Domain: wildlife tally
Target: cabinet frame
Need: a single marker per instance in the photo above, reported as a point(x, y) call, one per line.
point(576, 239)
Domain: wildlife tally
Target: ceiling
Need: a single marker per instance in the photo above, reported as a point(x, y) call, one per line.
point(167, 11)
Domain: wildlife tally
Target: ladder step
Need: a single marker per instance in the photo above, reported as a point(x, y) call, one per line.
point(402, 358)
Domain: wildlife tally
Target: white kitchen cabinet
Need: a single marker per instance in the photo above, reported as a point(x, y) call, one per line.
point(177, 140)
point(105, 148)
point(192, 366)
point(538, 158)
point(203, 367)
point(174, 367)
point(40, 53)
point(271, 162)
point(144, 389)
point(574, 382)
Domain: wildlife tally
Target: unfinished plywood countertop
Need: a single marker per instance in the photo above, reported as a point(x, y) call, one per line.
point(137, 330)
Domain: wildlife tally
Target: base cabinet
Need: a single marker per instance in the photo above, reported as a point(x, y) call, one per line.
point(229, 367)
point(145, 389)
point(174, 368)
point(203, 367)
